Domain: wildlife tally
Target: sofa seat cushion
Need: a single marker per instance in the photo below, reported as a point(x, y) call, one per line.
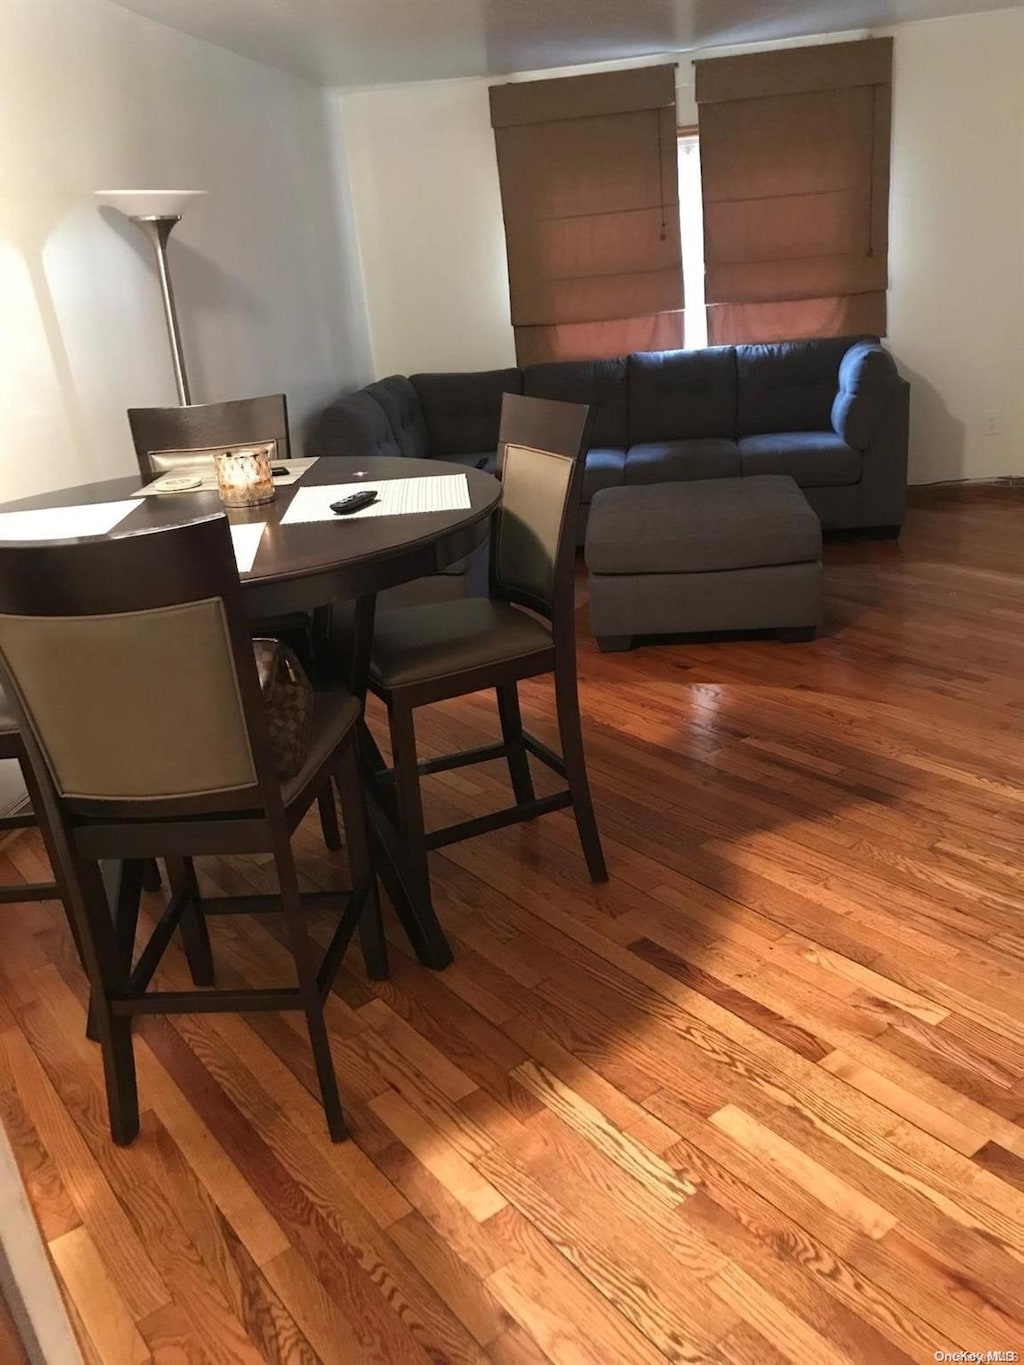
point(701, 527)
point(605, 468)
point(463, 411)
point(401, 405)
point(601, 384)
point(677, 395)
point(815, 459)
point(671, 461)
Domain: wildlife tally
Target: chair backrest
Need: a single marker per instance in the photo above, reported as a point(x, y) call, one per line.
point(541, 453)
point(166, 438)
point(129, 667)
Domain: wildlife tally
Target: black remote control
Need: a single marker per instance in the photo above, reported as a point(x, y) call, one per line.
point(355, 502)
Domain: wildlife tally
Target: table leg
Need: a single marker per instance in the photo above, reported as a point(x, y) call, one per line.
point(414, 910)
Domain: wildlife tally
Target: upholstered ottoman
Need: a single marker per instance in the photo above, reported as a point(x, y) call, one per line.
point(714, 554)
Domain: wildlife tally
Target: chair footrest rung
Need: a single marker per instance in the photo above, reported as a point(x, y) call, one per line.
point(30, 891)
point(484, 824)
point(442, 764)
point(270, 903)
point(210, 1002)
point(23, 820)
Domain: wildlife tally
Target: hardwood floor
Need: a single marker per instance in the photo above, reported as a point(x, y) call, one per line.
point(758, 1099)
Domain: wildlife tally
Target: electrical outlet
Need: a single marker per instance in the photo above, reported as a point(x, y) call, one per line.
point(990, 420)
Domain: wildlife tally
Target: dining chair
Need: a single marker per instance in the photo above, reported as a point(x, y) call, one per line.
point(525, 628)
point(161, 749)
point(168, 437)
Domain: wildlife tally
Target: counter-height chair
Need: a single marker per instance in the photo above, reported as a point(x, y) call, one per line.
point(161, 749)
point(167, 438)
point(526, 627)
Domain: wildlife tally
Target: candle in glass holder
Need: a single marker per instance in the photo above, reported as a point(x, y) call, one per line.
point(243, 475)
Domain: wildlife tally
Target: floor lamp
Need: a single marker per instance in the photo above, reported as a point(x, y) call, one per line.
point(156, 212)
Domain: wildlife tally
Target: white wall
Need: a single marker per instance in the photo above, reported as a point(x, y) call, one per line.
point(428, 217)
point(956, 254)
point(431, 239)
point(264, 270)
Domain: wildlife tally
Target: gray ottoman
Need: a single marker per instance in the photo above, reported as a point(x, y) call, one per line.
point(717, 554)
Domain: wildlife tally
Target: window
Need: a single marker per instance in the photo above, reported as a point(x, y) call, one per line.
point(691, 233)
point(587, 167)
point(794, 153)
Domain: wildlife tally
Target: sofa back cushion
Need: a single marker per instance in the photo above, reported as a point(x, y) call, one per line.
point(401, 404)
point(463, 411)
point(867, 376)
point(682, 395)
point(599, 383)
point(356, 425)
point(788, 385)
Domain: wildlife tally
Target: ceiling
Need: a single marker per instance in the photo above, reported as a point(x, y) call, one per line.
point(386, 42)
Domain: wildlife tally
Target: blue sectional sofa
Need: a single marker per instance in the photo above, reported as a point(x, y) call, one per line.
point(833, 414)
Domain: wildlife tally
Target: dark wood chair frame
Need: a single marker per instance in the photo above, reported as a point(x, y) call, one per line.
point(201, 426)
point(561, 428)
point(183, 564)
point(11, 747)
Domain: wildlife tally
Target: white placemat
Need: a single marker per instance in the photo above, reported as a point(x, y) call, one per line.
point(246, 539)
point(395, 498)
point(64, 523)
point(204, 471)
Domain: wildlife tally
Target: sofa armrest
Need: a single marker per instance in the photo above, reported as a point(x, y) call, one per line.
point(884, 468)
point(867, 376)
point(355, 425)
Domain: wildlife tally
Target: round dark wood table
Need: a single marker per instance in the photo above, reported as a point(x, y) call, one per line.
point(309, 564)
point(304, 565)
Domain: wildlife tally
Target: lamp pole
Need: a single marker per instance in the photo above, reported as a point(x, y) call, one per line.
point(158, 228)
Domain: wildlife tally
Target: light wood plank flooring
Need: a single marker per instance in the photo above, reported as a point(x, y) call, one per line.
point(758, 1099)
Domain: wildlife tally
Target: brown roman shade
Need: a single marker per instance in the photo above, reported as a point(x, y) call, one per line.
point(794, 151)
point(587, 166)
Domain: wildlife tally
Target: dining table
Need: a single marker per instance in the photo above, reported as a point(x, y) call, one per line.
point(300, 566)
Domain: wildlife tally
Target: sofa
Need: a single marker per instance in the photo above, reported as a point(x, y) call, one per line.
point(832, 414)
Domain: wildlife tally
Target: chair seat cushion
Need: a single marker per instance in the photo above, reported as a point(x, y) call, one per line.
point(700, 527)
point(708, 457)
point(334, 714)
point(418, 644)
point(815, 459)
point(487, 460)
point(605, 468)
